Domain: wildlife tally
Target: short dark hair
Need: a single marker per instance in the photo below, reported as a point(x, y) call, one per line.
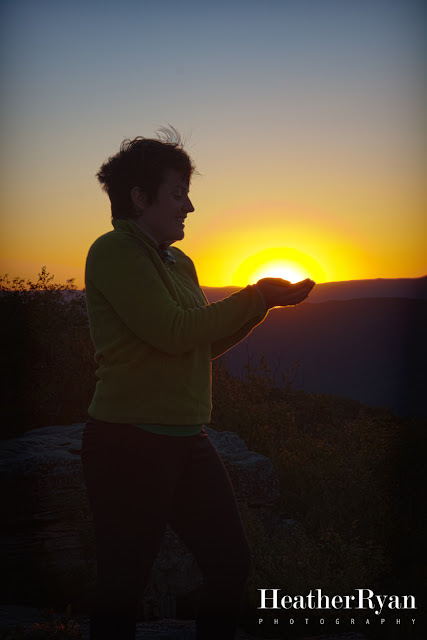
point(142, 162)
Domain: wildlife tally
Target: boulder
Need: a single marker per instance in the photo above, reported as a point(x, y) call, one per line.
point(47, 541)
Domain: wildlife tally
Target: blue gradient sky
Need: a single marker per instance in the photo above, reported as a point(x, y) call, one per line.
point(306, 119)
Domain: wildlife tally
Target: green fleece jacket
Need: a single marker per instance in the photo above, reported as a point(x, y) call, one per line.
point(154, 332)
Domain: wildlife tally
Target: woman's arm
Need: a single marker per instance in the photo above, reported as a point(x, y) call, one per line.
point(221, 346)
point(125, 275)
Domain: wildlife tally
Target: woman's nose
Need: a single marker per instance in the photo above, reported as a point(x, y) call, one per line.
point(189, 206)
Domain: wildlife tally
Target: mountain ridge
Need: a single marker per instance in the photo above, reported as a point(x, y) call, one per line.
point(414, 288)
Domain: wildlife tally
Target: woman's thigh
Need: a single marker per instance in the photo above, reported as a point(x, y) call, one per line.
point(205, 511)
point(130, 476)
point(137, 481)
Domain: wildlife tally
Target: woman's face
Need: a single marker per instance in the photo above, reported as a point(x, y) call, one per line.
point(164, 218)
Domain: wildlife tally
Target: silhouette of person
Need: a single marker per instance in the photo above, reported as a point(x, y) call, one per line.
point(146, 456)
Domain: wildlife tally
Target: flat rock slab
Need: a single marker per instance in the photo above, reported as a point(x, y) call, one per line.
point(47, 539)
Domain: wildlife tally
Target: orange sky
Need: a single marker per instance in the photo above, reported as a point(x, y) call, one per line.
point(310, 145)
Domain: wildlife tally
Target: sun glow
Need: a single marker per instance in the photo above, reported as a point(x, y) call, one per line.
point(286, 270)
point(286, 263)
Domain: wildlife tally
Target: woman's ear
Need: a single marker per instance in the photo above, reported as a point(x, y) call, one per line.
point(139, 199)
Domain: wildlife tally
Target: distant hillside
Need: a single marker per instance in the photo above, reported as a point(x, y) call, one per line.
point(372, 350)
point(415, 288)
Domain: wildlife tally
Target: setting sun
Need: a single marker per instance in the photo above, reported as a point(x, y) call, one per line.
point(286, 270)
point(283, 262)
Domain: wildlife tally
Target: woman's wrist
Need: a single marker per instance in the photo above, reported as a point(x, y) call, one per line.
point(262, 296)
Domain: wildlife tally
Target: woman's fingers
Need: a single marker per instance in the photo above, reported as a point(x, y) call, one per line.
point(280, 293)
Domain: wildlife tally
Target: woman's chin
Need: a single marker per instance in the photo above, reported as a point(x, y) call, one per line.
point(179, 235)
point(176, 238)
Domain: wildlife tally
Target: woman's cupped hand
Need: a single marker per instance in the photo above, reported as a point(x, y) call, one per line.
point(281, 293)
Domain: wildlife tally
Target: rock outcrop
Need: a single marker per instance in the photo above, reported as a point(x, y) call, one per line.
point(47, 543)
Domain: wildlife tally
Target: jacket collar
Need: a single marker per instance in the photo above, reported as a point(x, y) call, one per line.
point(126, 224)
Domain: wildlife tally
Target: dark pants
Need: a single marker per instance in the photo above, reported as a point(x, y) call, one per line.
point(137, 482)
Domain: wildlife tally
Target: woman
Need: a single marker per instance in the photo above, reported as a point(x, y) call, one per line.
point(146, 456)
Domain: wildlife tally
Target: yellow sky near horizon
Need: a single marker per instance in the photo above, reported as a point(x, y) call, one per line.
point(229, 230)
